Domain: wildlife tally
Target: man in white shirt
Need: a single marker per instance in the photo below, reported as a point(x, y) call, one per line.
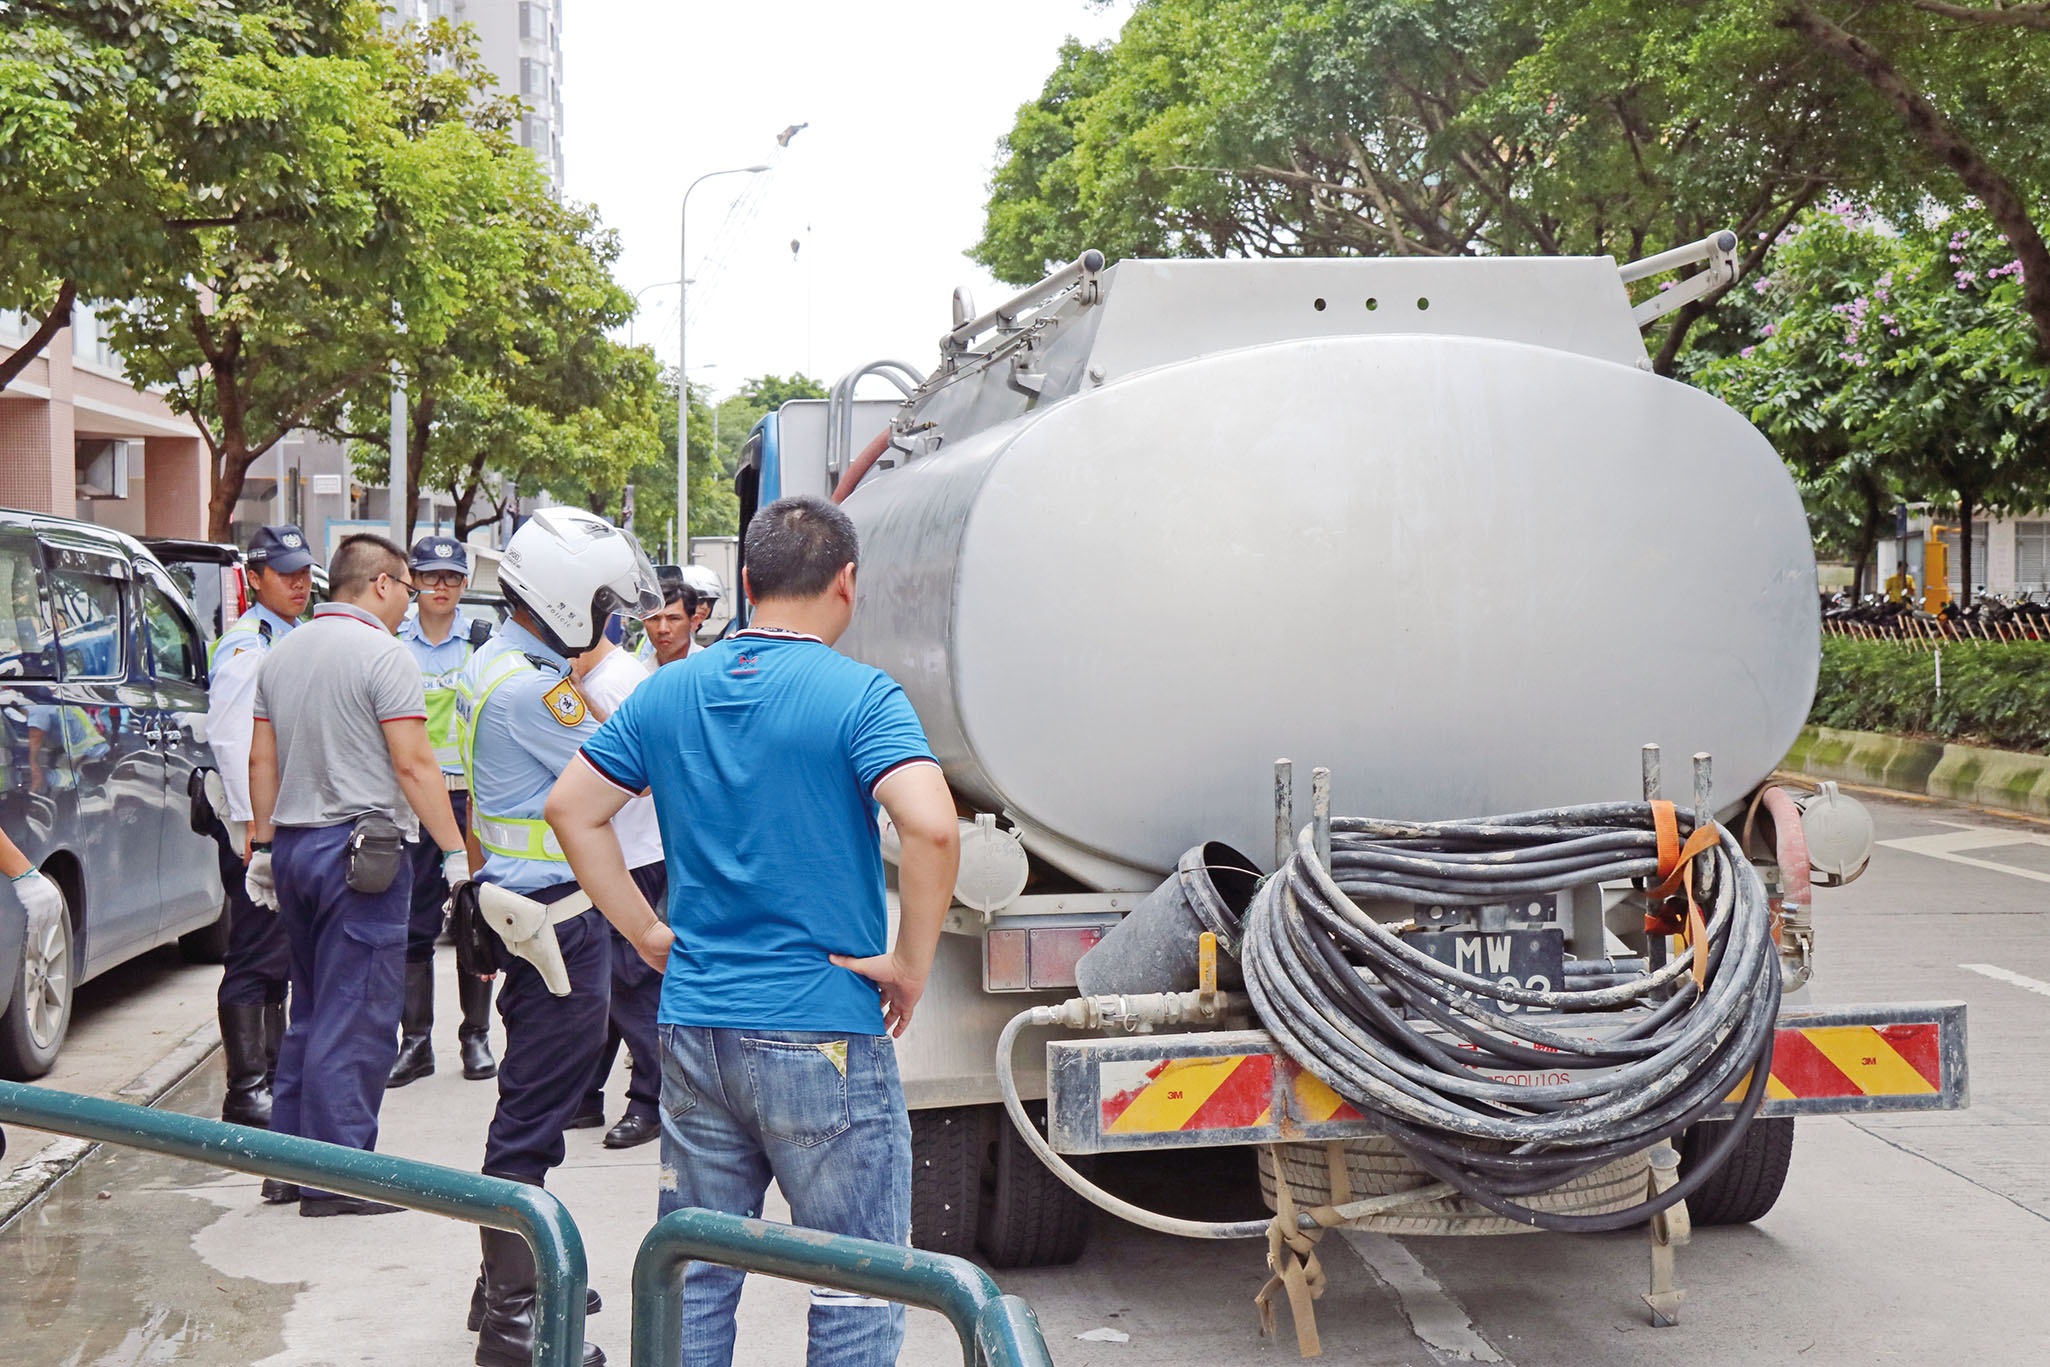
point(605, 675)
point(256, 968)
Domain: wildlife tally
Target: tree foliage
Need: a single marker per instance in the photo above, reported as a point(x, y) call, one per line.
point(1895, 365)
point(1475, 127)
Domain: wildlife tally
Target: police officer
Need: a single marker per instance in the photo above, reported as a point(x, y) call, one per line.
point(251, 998)
point(565, 570)
point(442, 639)
point(339, 770)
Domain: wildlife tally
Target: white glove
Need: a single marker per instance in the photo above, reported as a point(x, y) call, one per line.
point(262, 888)
point(455, 868)
point(40, 899)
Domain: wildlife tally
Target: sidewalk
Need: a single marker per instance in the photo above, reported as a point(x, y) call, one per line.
point(178, 1262)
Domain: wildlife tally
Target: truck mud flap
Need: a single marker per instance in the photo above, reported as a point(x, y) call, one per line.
point(1237, 1087)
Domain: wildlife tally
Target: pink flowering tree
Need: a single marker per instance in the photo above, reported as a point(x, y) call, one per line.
point(1891, 365)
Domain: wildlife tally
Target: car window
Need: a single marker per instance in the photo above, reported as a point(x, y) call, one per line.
point(173, 643)
point(89, 626)
point(26, 642)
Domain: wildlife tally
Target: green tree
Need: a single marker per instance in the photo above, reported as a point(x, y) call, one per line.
point(1496, 127)
point(1896, 365)
point(348, 172)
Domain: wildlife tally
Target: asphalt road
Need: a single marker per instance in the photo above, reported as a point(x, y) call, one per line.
point(1914, 1238)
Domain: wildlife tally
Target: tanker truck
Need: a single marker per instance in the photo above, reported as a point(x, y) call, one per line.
point(1434, 529)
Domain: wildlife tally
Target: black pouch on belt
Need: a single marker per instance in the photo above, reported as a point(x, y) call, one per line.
point(479, 951)
point(377, 851)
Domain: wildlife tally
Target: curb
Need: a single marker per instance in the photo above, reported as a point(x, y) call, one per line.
point(2003, 780)
point(21, 1188)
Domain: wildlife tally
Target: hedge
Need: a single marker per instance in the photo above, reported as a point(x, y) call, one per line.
point(1994, 693)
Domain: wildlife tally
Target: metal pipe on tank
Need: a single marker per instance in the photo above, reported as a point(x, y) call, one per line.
point(1284, 811)
point(1320, 813)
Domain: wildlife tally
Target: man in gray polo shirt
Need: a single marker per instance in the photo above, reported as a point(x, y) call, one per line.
point(339, 767)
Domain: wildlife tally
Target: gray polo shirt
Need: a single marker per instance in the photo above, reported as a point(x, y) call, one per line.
point(327, 690)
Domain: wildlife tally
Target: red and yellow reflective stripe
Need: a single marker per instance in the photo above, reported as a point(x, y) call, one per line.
point(1228, 1092)
point(1854, 1060)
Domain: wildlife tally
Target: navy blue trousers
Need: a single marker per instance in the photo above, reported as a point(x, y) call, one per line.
point(257, 965)
point(348, 970)
point(430, 889)
point(551, 1047)
point(636, 996)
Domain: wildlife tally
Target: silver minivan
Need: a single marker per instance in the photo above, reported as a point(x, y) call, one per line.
point(102, 764)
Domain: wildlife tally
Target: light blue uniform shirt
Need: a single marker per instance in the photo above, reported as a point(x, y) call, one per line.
point(231, 697)
point(439, 664)
point(523, 736)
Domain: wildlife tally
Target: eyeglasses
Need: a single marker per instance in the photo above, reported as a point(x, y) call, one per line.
point(440, 579)
point(411, 591)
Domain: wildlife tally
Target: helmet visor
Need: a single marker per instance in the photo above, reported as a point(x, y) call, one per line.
point(635, 593)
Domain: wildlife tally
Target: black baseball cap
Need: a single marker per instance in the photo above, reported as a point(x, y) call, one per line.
point(280, 549)
point(441, 553)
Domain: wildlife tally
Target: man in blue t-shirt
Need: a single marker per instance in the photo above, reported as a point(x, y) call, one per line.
point(767, 755)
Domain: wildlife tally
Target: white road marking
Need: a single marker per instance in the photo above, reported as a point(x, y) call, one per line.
point(2000, 974)
point(1951, 846)
point(1439, 1322)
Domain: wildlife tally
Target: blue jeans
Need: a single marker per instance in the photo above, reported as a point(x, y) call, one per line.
point(824, 1115)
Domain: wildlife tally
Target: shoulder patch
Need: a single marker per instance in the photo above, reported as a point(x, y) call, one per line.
point(565, 704)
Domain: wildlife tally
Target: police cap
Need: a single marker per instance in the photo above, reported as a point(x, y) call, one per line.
point(281, 549)
point(441, 553)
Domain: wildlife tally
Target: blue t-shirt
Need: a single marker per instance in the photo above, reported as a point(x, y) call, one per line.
point(763, 753)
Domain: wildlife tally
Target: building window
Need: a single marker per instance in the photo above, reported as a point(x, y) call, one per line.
point(2032, 556)
point(533, 21)
point(533, 77)
point(1955, 569)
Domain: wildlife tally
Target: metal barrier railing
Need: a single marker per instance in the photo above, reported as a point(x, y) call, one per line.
point(530, 1212)
point(996, 1330)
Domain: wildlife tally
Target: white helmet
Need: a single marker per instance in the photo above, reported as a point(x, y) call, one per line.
point(571, 570)
point(704, 582)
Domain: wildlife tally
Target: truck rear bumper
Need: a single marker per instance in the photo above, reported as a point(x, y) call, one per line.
point(1237, 1087)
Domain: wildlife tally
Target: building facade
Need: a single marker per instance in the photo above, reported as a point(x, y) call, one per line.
point(519, 42)
point(2010, 554)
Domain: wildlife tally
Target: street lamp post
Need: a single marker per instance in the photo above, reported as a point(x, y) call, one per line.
point(659, 284)
point(682, 371)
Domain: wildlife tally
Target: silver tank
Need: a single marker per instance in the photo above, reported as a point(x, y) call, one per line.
point(1459, 545)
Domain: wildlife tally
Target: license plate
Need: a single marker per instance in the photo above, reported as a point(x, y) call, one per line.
point(1531, 959)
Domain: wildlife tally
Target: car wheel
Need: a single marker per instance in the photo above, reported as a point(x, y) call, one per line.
point(208, 944)
point(32, 1028)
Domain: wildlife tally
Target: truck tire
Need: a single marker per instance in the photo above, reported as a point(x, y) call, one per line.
point(1746, 1186)
point(208, 944)
point(947, 1146)
point(1029, 1217)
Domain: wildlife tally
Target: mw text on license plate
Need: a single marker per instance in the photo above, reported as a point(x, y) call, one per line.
point(1531, 959)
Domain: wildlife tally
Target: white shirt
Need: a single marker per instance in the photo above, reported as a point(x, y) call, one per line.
point(607, 685)
point(231, 695)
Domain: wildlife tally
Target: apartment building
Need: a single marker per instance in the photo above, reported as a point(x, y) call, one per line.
point(520, 42)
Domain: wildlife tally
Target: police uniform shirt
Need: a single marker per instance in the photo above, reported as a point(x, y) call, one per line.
point(439, 666)
point(231, 695)
point(523, 733)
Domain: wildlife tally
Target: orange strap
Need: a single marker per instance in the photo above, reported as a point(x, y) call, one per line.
point(1676, 870)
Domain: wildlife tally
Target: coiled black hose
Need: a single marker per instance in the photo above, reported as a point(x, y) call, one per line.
point(1345, 996)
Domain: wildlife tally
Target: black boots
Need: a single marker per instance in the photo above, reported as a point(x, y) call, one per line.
point(506, 1338)
point(416, 1027)
point(474, 1035)
point(250, 1058)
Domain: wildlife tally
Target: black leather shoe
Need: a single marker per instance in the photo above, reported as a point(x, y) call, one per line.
point(276, 1193)
point(415, 1061)
point(589, 1120)
point(505, 1337)
point(593, 1303)
point(632, 1131)
point(474, 1035)
point(314, 1207)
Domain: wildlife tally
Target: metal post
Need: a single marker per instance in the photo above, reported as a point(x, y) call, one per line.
point(993, 1328)
point(401, 517)
point(1654, 945)
point(532, 1213)
point(1284, 811)
point(1320, 813)
point(682, 355)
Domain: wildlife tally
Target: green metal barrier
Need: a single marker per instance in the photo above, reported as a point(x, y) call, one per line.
point(996, 1330)
point(530, 1212)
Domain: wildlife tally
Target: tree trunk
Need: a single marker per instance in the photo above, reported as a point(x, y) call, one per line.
point(53, 322)
point(417, 433)
point(1868, 535)
point(2007, 209)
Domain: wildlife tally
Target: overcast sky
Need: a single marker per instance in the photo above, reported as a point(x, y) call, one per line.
point(884, 191)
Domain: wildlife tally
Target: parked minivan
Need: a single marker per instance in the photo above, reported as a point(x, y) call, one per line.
point(215, 580)
point(103, 757)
